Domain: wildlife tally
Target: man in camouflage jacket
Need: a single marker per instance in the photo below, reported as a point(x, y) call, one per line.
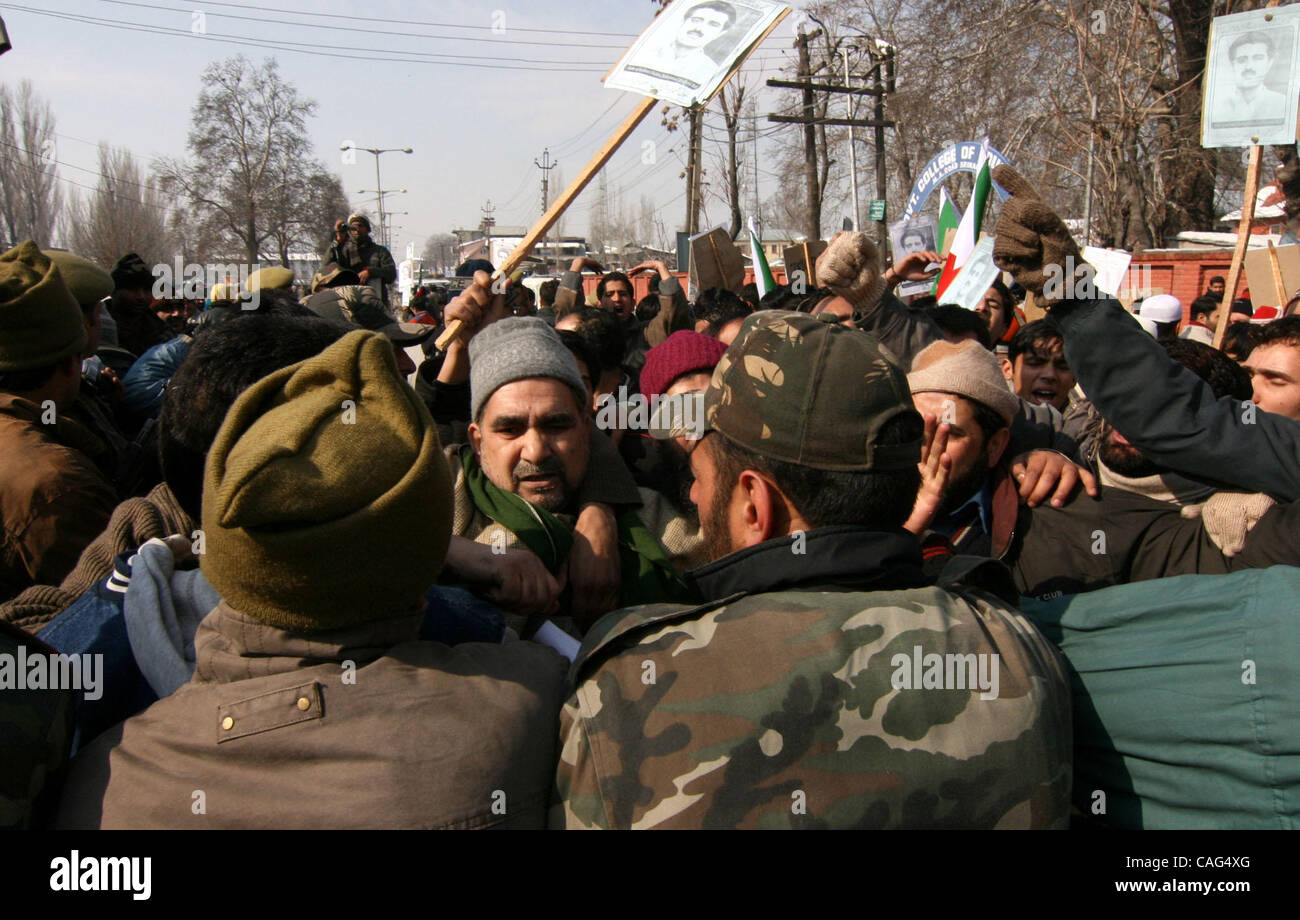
point(824, 683)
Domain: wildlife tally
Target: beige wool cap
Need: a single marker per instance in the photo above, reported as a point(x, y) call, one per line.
point(966, 369)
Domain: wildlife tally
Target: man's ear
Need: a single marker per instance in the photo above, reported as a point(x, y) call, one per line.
point(764, 511)
point(1008, 369)
point(475, 437)
point(998, 444)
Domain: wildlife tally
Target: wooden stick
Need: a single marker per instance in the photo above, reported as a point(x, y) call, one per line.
point(589, 172)
point(1243, 240)
point(1276, 266)
point(547, 220)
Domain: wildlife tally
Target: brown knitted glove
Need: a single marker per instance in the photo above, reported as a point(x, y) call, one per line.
point(1031, 238)
point(851, 267)
point(1227, 517)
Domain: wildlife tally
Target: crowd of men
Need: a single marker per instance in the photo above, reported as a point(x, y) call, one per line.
point(819, 558)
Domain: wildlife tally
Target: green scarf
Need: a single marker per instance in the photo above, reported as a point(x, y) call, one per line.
point(648, 574)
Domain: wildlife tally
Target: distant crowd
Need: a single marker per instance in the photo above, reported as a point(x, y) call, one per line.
point(815, 557)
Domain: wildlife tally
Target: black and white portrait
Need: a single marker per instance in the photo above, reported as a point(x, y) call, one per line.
point(1251, 84)
point(913, 235)
point(690, 48)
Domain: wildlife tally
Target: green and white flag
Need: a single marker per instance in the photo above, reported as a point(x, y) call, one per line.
point(762, 273)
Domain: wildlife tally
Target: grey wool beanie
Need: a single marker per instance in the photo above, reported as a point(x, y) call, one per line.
point(517, 348)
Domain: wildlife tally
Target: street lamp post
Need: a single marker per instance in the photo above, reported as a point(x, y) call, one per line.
point(378, 184)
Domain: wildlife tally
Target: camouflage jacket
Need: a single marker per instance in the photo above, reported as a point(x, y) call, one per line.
point(803, 695)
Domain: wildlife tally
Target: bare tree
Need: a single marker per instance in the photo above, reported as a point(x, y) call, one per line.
point(248, 162)
point(440, 251)
point(29, 191)
point(125, 213)
point(730, 102)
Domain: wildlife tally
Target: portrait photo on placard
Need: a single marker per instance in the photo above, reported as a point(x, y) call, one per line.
point(914, 234)
point(686, 53)
point(1252, 82)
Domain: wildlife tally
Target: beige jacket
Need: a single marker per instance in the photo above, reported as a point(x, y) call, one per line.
point(364, 727)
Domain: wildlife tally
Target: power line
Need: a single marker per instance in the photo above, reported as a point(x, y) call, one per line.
point(315, 50)
point(425, 22)
point(93, 172)
point(551, 43)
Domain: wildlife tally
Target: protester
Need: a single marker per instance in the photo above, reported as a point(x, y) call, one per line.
point(614, 293)
point(1274, 367)
point(296, 632)
point(681, 366)
point(1036, 367)
point(546, 300)
point(358, 305)
point(528, 478)
point(719, 313)
point(1200, 326)
point(1239, 339)
point(1165, 411)
point(336, 254)
point(1166, 311)
point(373, 263)
point(766, 706)
point(958, 386)
point(138, 327)
point(602, 330)
point(54, 499)
point(959, 324)
point(101, 388)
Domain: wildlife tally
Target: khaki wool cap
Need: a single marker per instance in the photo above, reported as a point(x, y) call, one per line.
point(271, 278)
point(40, 319)
point(966, 369)
point(326, 496)
point(794, 388)
point(88, 282)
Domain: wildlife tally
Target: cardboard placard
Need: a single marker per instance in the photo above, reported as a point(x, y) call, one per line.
point(975, 278)
point(716, 262)
point(1261, 280)
point(803, 257)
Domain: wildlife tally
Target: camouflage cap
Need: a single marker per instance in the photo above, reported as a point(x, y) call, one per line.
point(797, 389)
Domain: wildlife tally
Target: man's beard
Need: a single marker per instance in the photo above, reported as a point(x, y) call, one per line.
point(962, 488)
point(556, 499)
point(715, 526)
point(1125, 459)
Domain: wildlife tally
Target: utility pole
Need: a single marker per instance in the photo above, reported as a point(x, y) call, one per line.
point(546, 166)
point(693, 170)
point(486, 226)
point(882, 83)
point(378, 152)
point(853, 145)
point(753, 132)
point(813, 225)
